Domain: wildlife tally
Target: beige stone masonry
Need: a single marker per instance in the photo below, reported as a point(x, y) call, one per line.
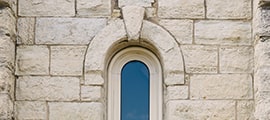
point(222, 32)
point(141, 3)
point(93, 78)
point(182, 30)
point(46, 7)
point(48, 88)
point(236, 59)
point(174, 79)
point(6, 109)
point(91, 93)
point(221, 86)
point(67, 60)
point(75, 111)
point(31, 110)
point(7, 81)
point(67, 30)
point(228, 9)
point(32, 60)
point(200, 110)
point(245, 110)
point(181, 9)
point(177, 92)
point(200, 59)
point(94, 8)
point(26, 30)
point(7, 52)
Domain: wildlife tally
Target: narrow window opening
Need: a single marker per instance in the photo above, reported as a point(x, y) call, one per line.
point(135, 87)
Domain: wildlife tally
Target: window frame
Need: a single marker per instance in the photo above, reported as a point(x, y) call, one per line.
point(114, 81)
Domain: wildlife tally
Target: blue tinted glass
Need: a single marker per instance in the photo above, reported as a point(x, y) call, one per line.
point(135, 91)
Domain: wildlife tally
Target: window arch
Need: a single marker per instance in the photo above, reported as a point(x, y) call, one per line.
point(114, 81)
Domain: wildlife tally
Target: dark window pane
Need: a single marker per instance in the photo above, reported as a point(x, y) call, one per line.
point(135, 91)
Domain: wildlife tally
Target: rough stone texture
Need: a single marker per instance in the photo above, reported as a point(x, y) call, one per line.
point(227, 9)
point(31, 110)
point(48, 88)
point(133, 18)
point(32, 60)
point(91, 93)
point(177, 92)
point(94, 8)
point(181, 9)
point(226, 32)
point(245, 110)
point(6, 109)
point(93, 79)
point(7, 81)
point(46, 7)
point(142, 3)
point(236, 59)
point(67, 30)
point(75, 111)
point(200, 59)
point(67, 60)
point(262, 102)
point(182, 30)
point(174, 79)
point(261, 22)
point(200, 110)
point(26, 30)
point(7, 17)
point(221, 86)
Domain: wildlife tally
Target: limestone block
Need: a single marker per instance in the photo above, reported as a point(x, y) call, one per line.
point(32, 60)
point(31, 110)
point(245, 110)
point(223, 32)
point(264, 25)
point(262, 79)
point(174, 78)
point(6, 109)
point(181, 9)
point(10, 3)
point(67, 30)
point(7, 81)
point(94, 8)
point(221, 86)
point(7, 52)
point(48, 88)
point(142, 3)
point(236, 59)
point(8, 23)
point(133, 18)
point(93, 79)
point(182, 30)
point(46, 7)
point(91, 93)
point(67, 60)
point(26, 30)
point(75, 111)
point(262, 110)
point(228, 9)
point(200, 59)
point(200, 110)
point(177, 92)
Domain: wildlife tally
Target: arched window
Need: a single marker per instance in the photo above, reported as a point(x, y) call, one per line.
point(128, 60)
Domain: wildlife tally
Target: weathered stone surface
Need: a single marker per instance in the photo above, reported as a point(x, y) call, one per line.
point(264, 25)
point(133, 18)
point(142, 3)
point(46, 7)
point(7, 81)
point(221, 86)
point(177, 92)
point(91, 93)
point(26, 30)
point(67, 30)
point(94, 8)
point(6, 109)
point(262, 102)
point(67, 60)
point(227, 9)
point(75, 111)
point(8, 28)
point(225, 32)
point(93, 79)
point(200, 110)
point(31, 110)
point(48, 88)
point(236, 59)
point(174, 79)
point(200, 59)
point(32, 60)
point(182, 30)
point(245, 110)
point(7, 52)
point(181, 9)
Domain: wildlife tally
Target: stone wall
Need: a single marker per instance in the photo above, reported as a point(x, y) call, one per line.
point(55, 38)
